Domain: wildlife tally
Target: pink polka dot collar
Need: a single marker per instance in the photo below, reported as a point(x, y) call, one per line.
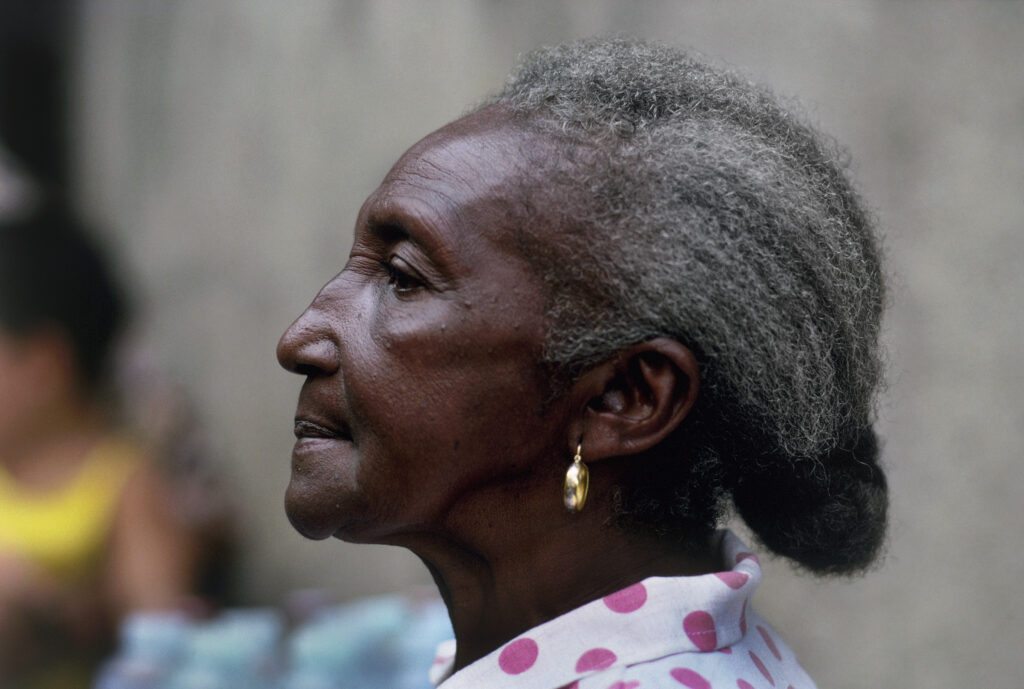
point(656, 618)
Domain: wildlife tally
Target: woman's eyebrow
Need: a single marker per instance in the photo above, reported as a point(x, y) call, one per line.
point(390, 224)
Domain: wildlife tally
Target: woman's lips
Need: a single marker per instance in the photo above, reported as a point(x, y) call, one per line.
point(308, 428)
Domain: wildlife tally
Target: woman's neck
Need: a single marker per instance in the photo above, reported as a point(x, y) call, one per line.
point(501, 574)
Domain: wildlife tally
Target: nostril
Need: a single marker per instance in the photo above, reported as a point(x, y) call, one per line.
point(305, 370)
point(312, 357)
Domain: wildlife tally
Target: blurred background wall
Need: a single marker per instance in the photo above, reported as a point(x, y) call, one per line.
point(226, 146)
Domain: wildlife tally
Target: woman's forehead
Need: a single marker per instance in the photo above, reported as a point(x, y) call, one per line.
point(473, 170)
point(480, 150)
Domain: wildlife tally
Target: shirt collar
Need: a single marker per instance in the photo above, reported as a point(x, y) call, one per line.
point(656, 617)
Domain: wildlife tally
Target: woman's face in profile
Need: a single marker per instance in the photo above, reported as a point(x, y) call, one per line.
point(423, 388)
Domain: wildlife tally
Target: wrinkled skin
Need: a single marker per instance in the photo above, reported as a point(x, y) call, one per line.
point(421, 355)
point(425, 419)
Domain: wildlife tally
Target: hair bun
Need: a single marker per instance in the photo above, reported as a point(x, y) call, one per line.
point(828, 514)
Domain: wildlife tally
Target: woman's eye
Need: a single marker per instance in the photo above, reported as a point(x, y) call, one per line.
point(402, 280)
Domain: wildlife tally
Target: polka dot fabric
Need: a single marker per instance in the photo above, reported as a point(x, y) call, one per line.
point(664, 632)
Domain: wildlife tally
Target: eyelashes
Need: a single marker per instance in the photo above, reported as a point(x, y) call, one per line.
point(401, 278)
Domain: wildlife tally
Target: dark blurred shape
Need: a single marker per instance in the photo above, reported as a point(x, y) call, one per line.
point(35, 59)
point(53, 274)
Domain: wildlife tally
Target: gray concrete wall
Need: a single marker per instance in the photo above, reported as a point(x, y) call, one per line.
point(228, 145)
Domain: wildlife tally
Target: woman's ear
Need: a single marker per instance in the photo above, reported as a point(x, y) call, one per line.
point(634, 400)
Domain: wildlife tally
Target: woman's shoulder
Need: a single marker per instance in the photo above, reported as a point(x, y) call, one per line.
point(760, 659)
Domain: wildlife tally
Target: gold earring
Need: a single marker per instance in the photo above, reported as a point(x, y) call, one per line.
point(577, 480)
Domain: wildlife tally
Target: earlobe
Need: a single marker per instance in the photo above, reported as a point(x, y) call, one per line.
point(637, 398)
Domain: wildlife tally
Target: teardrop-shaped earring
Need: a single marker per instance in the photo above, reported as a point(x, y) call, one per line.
point(577, 480)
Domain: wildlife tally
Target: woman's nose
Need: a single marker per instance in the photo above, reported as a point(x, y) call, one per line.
point(307, 347)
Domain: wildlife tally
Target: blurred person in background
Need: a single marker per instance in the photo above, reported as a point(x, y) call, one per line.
point(88, 525)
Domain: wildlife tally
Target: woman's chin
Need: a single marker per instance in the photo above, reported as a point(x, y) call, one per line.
point(317, 516)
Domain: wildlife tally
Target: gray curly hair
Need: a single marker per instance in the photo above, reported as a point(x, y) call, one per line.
point(712, 215)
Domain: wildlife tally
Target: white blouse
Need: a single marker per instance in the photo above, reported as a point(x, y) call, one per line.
point(696, 632)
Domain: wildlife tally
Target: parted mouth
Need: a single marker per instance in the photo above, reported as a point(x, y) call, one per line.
point(308, 428)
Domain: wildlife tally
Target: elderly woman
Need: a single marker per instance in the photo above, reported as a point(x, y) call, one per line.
point(576, 326)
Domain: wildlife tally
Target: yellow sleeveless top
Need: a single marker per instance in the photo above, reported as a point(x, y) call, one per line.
point(65, 531)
